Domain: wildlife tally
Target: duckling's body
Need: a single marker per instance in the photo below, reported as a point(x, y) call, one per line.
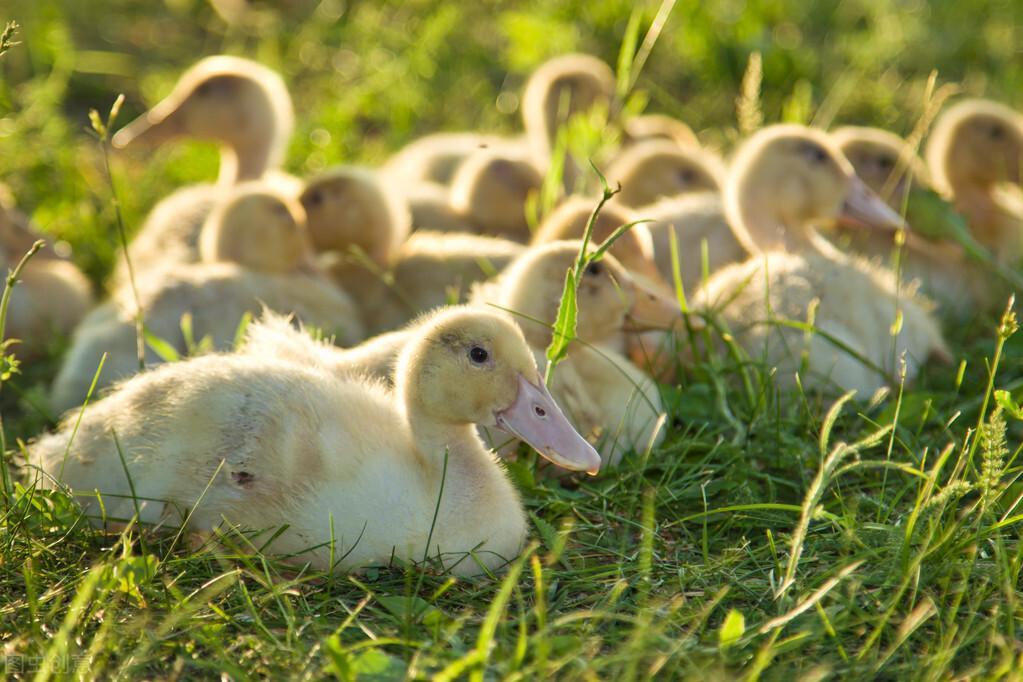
point(216, 295)
point(355, 472)
point(431, 209)
point(435, 158)
point(785, 179)
point(694, 219)
point(977, 146)
point(238, 103)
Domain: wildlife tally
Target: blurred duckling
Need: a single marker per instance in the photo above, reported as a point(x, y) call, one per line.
point(784, 180)
point(243, 106)
point(435, 158)
point(976, 146)
point(391, 278)
point(887, 164)
point(658, 127)
point(216, 296)
point(430, 208)
point(348, 472)
point(634, 248)
point(492, 190)
point(555, 93)
point(656, 169)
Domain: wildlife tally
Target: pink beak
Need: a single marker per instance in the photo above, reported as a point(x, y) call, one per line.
point(864, 207)
point(535, 418)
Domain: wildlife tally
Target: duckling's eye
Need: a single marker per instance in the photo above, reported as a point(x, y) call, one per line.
point(996, 132)
point(886, 163)
point(314, 198)
point(594, 269)
point(815, 153)
point(478, 355)
point(205, 88)
point(686, 176)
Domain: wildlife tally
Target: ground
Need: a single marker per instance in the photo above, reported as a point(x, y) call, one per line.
point(767, 537)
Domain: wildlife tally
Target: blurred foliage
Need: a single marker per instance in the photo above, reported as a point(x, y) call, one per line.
point(367, 77)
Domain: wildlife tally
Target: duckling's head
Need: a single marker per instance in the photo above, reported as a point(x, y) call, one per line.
point(472, 366)
point(883, 160)
point(654, 169)
point(786, 179)
point(491, 189)
point(608, 299)
point(634, 249)
point(233, 101)
point(257, 227)
point(976, 144)
point(558, 90)
point(348, 206)
point(659, 127)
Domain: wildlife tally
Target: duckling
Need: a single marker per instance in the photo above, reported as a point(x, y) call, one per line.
point(783, 181)
point(352, 475)
point(349, 207)
point(887, 164)
point(240, 104)
point(430, 206)
point(975, 146)
point(602, 391)
point(658, 127)
point(634, 249)
point(401, 277)
point(217, 295)
point(435, 158)
point(557, 91)
point(492, 189)
point(654, 169)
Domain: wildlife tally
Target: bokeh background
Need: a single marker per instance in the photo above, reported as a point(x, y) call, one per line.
point(367, 77)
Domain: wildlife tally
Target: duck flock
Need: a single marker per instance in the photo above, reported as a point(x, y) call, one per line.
point(400, 315)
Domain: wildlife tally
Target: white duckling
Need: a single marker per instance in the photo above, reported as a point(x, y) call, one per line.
point(651, 170)
point(783, 181)
point(431, 209)
point(264, 232)
point(976, 146)
point(238, 103)
point(356, 474)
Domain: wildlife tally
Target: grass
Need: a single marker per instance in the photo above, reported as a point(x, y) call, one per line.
point(767, 537)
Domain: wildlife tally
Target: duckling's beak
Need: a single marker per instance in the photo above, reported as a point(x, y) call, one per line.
point(161, 123)
point(863, 207)
point(535, 418)
point(652, 308)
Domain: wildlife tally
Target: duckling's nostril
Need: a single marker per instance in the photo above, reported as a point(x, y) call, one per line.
point(539, 411)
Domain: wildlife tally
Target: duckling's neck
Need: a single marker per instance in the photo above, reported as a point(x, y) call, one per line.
point(468, 462)
point(763, 230)
point(238, 164)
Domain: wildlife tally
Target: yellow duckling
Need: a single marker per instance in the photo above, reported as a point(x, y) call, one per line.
point(51, 296)
point(658, 127)
point(634, 249)
point(356, 474)
point(602, 391)
point(238, 103)
point(655, 169)
point(401, 278)
point(431, 209)
point(557, 91)
point(887, 164)
point(975, 146)
point(217, 295)
point(436, 157)
point(783, 181)
point(491, 190)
